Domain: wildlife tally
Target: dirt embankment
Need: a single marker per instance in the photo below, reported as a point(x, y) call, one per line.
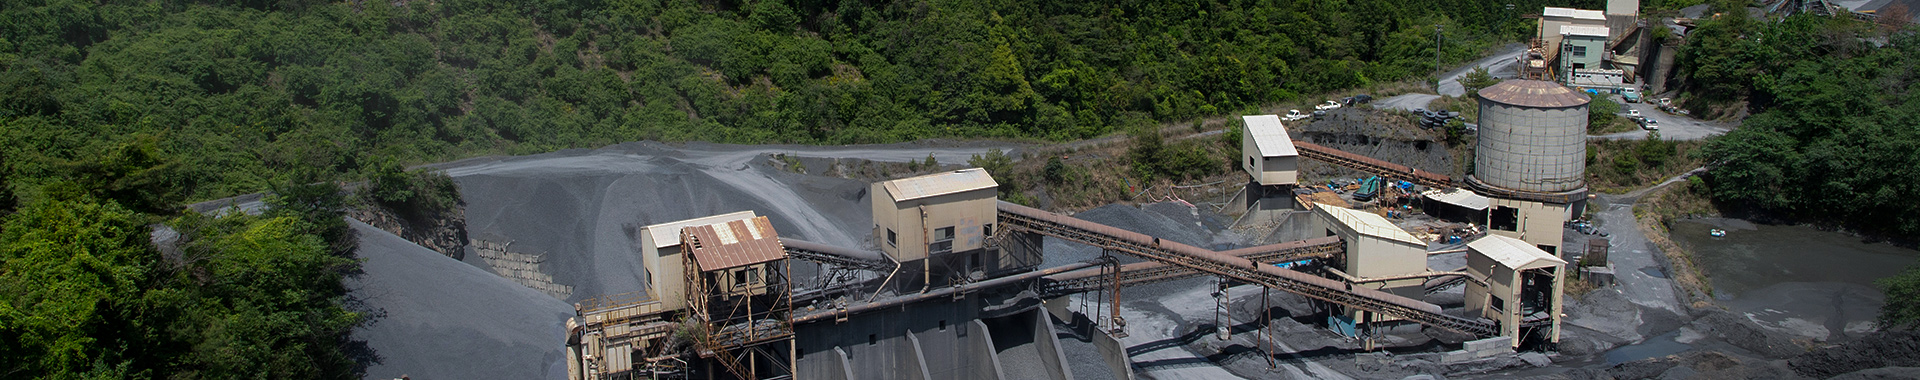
point(1651, 219)
point(1373, 133)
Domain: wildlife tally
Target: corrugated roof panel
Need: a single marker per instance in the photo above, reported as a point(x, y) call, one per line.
point(1459, 197)
point(735, 244)
point(668, 234)
point(1574, 13)
point(1583, 30)
point(933, 185)
point(1512, 253)
point(1367, 223)
point(1269, 135)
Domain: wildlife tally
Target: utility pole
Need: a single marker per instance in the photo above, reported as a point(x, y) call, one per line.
point(1436, 57)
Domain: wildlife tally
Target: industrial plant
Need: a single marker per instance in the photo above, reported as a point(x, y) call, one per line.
point(950, 277)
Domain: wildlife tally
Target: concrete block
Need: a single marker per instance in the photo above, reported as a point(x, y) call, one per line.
point(1494, 343)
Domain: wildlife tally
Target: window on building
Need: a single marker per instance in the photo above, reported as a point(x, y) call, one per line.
point(892, 240)
point(1579, 51)
point(1495, 303)
point(1551, 250)
point(739, 277)
point(753, 275)
point(943, 325)
point(1580, 66)
point(942, 240)
point(1250, 163)
point(987, 229)
point(1504, 218)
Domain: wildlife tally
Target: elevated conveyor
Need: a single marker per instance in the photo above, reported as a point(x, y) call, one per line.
point(1143, 273)
point(1026, 219)
point(837, 256)
point(1372, 165)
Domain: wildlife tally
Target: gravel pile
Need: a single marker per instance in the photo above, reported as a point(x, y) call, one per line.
point(447, 320)
point(1898, 349)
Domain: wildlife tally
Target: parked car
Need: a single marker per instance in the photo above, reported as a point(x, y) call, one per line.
point(1294, 115)
point(1633, 115)
point(1649, 124)
point(1631, 95)
point(1357, 99)
point(1328, 106)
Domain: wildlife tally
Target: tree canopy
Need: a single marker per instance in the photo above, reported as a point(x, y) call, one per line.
point(1832, 136)
point(242, 95)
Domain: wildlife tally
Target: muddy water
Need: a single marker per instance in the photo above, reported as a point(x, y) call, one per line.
point(1795, 279)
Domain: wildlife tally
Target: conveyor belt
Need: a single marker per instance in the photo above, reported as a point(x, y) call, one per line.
point(842, 257)
point(1026, 219)
point(1152, 272)
point(1372, 165)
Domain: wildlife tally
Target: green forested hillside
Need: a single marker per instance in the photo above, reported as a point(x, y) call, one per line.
point(242, 94)
point(1835, 126)
point(114, 113)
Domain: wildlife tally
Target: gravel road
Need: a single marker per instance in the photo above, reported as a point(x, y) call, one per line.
point(1672, 127)
point(1501, 64)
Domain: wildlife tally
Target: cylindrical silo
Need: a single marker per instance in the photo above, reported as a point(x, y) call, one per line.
point(1533, 137)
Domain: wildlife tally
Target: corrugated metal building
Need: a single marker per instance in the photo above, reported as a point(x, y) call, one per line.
point(1513, 282)
point(1376, 249)
point(941, 222)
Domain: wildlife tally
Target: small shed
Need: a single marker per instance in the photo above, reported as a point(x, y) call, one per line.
point(1270, 158)
point(1456, 204)
point(660, 252)
point(1514, 282)
point(737, 257)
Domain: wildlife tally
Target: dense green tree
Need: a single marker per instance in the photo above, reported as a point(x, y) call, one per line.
point(237, 96)
point(72, 275)
point(1902, 310)
point(1831, 138)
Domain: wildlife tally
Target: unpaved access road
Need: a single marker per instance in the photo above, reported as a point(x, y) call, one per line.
point(1502, 64)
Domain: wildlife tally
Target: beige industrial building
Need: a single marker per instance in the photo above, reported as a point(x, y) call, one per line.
point(938, 224)
point(660, 252)
point(1270, 156)
point(1553, 19)
point(1379, 255)
point(1514, 283)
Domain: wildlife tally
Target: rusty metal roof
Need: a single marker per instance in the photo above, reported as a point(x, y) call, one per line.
point(734, 244)
point(1534, 93)
point(938, 184)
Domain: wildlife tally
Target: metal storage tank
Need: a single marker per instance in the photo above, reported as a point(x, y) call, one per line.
point(1533, 137)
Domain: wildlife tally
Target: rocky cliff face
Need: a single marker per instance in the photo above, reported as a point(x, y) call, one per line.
point(444, 232)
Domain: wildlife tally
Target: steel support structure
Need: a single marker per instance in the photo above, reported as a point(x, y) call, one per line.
point(1028, 219)
point(1143, 273)
point(1372, 165)
point(731, 330)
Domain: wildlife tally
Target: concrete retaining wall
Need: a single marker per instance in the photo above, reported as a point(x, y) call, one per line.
point(1049, 347)
point(984, 363)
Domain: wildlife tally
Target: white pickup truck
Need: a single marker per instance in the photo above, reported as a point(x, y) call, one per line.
point(1328, 106)
point(1295, 115)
